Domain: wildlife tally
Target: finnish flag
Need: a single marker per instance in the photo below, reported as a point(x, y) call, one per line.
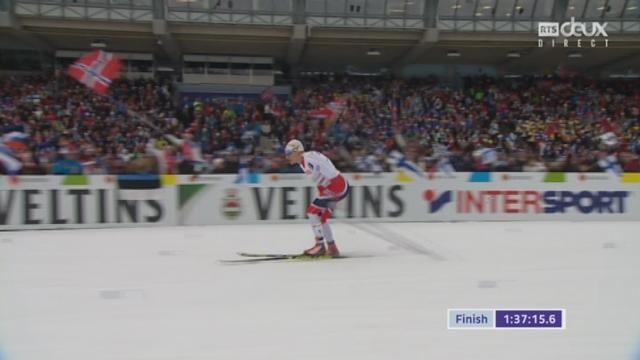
point(611, 165)
point(488, 155)
point(401, 162)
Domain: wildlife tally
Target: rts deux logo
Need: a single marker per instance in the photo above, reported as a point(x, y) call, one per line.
point(574, 33)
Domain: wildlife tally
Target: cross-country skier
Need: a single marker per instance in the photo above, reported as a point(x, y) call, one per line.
point(332, 187)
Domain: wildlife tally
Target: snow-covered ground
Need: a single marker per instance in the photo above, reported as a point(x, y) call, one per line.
point(161, 294)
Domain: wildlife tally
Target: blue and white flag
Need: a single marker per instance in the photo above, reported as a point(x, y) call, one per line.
point(398, 159)
point(444, 161)
point(444, 166)
point(11, 165)
point(611, 165)
point(245, 175)
point(487, 155)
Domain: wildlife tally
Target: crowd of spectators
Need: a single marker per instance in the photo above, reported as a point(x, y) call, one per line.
point(146, 126)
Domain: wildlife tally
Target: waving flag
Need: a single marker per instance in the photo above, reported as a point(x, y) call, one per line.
point(15, 140)
point(609, 139)
point(444, 160)
point(322, 113)
point(398, 159)
point(96, 70)
point(8, 144)
point(339, 105)
point(610, 164)
point(332, 109)
point(488, 155)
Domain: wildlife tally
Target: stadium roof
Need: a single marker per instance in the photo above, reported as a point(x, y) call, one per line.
point(330, 34)
point(538, 9)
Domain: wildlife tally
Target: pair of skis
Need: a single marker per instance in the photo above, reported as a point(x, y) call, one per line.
point(252, 258)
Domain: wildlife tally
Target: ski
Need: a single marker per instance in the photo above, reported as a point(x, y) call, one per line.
point(255, 255)
point(253, 258)
point(291, 256)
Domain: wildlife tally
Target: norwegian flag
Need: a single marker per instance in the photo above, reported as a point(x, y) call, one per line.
point(322, 113)
point(332, 109)
point(96, 70)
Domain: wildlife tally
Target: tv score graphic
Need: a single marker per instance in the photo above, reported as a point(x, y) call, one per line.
point(494, 319)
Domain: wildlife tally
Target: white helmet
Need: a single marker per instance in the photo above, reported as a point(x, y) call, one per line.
point(293, 146)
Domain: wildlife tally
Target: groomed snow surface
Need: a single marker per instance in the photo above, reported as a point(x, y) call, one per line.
point(162, 294)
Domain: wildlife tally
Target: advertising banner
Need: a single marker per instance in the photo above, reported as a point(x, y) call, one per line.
point(401, 196)
point(78, 201)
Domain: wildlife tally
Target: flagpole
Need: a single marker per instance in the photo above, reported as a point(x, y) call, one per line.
point(144, 120)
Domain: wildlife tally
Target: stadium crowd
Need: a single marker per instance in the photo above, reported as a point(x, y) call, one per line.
point(55, 125)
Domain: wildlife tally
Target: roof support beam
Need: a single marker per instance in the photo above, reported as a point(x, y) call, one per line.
point(166, 41)
point(430, 13)
point(159, 9)
point(584, 10)
point(624, 8)
point(428, 40)
point(160, 28)
point(604, 9)
point(298, 39)
point(533, 10)
point(6, 6)
point(299, 8)
point(297, 43)
point(475, 11)
point(559, 10)
point(7, 15)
